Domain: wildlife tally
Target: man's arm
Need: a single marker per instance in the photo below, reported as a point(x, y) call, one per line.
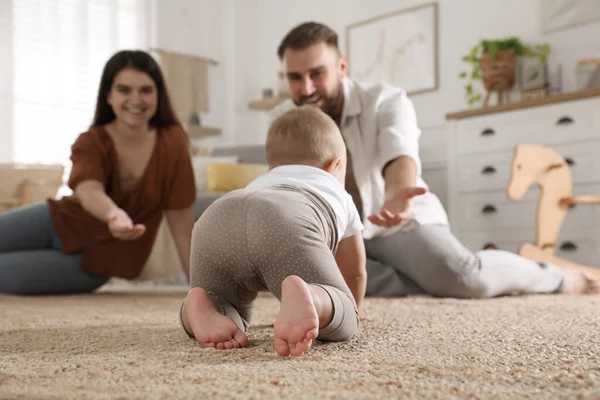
point(351, 261)
point(400, 173)
point(398, 142)
point(181, 223)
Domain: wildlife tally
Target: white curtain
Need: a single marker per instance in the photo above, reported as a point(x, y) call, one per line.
point(60, 48)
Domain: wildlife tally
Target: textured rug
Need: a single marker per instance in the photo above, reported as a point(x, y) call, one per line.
point(117, 345)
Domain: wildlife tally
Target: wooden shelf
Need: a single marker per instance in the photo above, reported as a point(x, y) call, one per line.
point(551, 99)
point(267, 103)
point(202, 131)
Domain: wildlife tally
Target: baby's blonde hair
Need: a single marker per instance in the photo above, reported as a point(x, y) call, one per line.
point(304, 135)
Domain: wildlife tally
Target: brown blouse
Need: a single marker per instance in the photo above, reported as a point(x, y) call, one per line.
point(166, 184)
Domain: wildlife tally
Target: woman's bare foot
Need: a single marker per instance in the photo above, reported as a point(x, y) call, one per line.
point(578, 282)
point(298, 321)
point(209, 326)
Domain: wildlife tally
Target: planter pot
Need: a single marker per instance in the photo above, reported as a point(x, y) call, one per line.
point(499, 73)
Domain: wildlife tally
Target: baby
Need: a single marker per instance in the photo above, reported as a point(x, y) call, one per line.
point(294, 232)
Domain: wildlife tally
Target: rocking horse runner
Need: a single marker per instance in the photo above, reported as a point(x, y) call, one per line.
point(545, 167)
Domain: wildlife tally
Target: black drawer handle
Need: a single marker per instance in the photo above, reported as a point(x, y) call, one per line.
point(490, 246)
point(564, 121)
point(570, 162)
point(488, 132)
point(489, 209)
point(568, 246)
point(488, 170)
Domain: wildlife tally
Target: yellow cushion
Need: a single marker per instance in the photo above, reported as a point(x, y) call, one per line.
point(225, 177)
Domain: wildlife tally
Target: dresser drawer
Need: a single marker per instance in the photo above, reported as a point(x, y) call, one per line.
point(492, 171)
point(552, 124)
point(495, 210)
point(581, 246)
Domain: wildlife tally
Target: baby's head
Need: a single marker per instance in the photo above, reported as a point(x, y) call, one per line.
point(307, 136)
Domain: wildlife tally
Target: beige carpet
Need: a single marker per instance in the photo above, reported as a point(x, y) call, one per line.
point(129, 346)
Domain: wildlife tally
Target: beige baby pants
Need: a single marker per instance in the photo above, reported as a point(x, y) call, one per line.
point(250, 240)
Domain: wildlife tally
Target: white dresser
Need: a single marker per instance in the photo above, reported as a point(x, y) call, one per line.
point(480, 150)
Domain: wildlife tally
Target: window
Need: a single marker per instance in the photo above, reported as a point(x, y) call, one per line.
point(60, 48)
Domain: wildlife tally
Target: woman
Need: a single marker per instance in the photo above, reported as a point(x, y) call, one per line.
point(132, 165)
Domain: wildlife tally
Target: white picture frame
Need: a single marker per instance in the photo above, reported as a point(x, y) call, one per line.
point(558, 15)
point(399, 48)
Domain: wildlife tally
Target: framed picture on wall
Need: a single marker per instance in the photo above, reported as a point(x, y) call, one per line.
point(558, 15)
point(400, 48)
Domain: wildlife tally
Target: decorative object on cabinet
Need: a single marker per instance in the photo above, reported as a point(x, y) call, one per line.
point(400, 48)
point(562, 14)
point(480, 147)
point(534, 94)
point(541, 165)
point(533, 74)
point(588, 73)
point(494, 62)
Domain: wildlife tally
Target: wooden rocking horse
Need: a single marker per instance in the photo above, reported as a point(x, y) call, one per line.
point(551, 172)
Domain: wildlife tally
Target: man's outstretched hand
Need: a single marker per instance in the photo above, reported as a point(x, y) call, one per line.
point(397, 207)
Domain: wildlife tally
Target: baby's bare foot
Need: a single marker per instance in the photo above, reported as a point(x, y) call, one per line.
point(297, 323)
point(578, 282)
point(210, 327)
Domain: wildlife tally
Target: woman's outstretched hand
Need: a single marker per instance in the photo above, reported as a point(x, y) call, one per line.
point(122, 227)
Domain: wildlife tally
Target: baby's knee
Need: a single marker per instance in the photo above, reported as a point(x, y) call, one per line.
point(345, 320)
point(341, 331)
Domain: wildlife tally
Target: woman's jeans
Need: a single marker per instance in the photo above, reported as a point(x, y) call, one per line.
point(31, 262)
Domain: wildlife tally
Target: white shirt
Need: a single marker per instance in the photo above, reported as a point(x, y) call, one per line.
point(322, 183)
point(379, 124)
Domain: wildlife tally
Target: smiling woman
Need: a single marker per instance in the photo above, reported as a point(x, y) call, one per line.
point(129, 168)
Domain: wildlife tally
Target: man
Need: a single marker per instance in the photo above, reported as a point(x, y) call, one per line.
point(409, 244)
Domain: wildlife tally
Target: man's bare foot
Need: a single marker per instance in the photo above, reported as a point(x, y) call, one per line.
point(578, 282)
point(298, 322)
point(209, 326)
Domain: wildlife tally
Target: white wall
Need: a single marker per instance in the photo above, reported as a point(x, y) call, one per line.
point(204, 28)
point(243, 35)
point(6, 87)
point(261, 24)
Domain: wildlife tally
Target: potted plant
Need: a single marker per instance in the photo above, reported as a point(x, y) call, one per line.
point(494, 62)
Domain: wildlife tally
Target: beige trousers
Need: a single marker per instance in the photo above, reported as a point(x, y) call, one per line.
point(250, 240)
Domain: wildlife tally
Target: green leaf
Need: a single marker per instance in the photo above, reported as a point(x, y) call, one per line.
point(462, 75)
point(493, 49)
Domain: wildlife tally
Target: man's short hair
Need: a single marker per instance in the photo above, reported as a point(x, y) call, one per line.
point(304, 135)
point(308, 34)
